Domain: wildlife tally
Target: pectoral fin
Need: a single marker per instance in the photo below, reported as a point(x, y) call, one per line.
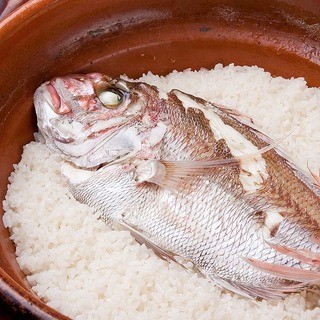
point(175, 175)
point(163, 175)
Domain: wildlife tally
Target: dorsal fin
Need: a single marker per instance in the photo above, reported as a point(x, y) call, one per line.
point(315, 177)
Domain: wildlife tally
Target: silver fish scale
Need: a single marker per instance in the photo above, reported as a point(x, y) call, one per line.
point(208, 233)
point(213, 237)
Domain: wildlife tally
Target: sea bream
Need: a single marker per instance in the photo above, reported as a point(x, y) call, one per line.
point(194, 181)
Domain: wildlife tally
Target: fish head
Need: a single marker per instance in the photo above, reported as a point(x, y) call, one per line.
point(92, 119)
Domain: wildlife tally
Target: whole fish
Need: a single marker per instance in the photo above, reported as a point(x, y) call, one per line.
point(188, 178)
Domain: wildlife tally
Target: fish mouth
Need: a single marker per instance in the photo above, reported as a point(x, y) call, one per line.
point(54, 96)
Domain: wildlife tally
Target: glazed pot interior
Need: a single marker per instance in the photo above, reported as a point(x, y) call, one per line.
point(46, 38)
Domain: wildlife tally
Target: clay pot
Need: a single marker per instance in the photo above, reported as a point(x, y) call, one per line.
point(47, 38)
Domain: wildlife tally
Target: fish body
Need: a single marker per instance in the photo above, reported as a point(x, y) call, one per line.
point(189, 179)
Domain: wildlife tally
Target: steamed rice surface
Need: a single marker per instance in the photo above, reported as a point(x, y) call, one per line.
point(82, 268)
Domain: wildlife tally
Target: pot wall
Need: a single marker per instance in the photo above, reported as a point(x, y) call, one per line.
point(46, 38)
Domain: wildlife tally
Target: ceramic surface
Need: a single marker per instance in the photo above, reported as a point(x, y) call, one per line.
point(47, 38)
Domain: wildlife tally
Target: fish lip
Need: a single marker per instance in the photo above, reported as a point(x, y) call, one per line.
point(54, 97)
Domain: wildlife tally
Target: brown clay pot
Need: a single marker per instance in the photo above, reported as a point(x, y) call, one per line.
point(46, 38)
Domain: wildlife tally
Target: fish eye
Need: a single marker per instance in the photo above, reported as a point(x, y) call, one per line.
point(110, 97)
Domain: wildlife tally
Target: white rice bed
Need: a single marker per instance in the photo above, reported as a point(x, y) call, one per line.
point(78, 266)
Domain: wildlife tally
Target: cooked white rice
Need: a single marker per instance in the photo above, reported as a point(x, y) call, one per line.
point(86, 271)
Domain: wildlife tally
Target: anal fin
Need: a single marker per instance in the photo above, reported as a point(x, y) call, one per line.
point(285, 272)
point(142, 239)
point(304, 256)
point(258, 292)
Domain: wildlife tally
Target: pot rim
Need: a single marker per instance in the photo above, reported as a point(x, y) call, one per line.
point(12, 293)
